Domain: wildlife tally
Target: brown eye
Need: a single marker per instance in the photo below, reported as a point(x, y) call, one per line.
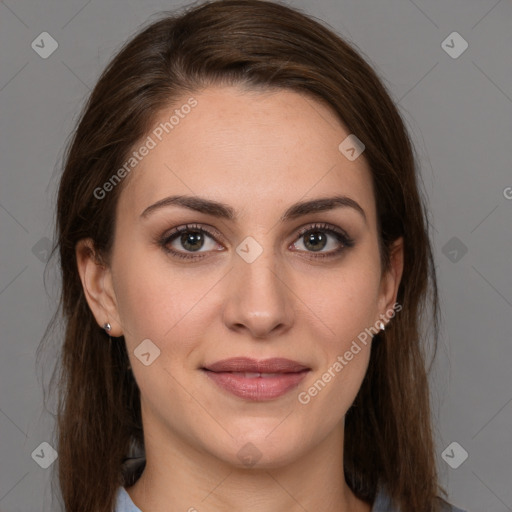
point(189, 239)
point(316, 238)
point(192, 241)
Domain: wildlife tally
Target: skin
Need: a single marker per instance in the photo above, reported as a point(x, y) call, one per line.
point(259, 152)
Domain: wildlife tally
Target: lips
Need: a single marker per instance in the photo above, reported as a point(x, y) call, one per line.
point(247, 365)
point(256, 380)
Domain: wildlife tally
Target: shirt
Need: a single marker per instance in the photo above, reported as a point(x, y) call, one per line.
point(380, 504)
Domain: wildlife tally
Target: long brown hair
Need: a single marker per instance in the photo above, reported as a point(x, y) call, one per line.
point(259, 44)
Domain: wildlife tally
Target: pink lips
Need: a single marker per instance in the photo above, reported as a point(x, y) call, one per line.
point(256, 380)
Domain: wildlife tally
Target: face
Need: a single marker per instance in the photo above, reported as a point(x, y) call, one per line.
point(256, 277)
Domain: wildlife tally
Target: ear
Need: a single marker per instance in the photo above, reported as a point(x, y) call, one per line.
point(390, 281)
point(99, 292)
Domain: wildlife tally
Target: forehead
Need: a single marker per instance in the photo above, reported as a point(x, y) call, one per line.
point(252, 149)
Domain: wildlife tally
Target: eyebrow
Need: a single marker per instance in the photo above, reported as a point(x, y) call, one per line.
point(224, 211)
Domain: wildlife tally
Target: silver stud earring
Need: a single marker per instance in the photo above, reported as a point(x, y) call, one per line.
point(107, 327)
point(382, 326)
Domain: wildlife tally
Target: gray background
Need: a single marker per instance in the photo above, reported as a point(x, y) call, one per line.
point(459, 113)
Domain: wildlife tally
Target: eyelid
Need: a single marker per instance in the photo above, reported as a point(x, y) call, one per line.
point(210, 230)
point(323, 226)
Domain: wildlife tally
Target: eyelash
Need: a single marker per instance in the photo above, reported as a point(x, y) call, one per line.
point(340, 235)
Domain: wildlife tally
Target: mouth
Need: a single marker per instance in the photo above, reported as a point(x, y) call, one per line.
point(256, 380)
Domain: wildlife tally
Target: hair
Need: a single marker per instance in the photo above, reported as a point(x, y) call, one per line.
point(265, 46)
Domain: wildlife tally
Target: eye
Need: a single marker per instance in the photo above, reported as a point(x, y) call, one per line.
point(315, 238)
point(184, 241)
point(191, 238)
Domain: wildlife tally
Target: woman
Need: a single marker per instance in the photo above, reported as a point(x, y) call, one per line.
point(246, 266)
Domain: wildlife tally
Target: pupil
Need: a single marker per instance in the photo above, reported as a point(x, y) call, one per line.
point(194, 238)
point(310, 240)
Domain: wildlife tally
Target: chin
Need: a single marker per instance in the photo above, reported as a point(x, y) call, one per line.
point(264, 451)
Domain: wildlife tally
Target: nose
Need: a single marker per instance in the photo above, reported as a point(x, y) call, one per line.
point(259, 298)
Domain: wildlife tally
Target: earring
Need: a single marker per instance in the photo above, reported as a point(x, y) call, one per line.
point(382, 326)
point(107, 327)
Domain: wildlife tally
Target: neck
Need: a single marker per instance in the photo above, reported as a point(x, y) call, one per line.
point(179, 477)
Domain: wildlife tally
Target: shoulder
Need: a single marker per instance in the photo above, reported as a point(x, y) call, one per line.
point(382, 503)
point(124, 503)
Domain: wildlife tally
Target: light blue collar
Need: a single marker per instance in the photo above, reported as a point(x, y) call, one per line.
point(382, 503)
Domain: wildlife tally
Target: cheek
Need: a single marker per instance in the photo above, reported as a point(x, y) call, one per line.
point(348, 306)
point(158, 309)
point(333, 387)
point(347, 302)
point(339, 384)
point(147, 305)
